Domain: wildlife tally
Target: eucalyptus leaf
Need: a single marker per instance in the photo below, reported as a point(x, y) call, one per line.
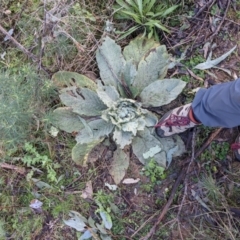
point(83, 101)
point(77, 221)
point(119, 165)
point(110, 62)
point(63, 79)
point(66, 120)
point(99, 130)
point(212, 63)
point(80, 152)
point(161, 92)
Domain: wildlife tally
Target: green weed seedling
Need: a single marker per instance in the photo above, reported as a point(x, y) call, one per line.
point(90, 227)
point(146, 15)
point(33, 158)
point(155, 172)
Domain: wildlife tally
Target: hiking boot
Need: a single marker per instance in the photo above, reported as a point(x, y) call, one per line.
point(236, 147)
point(176, 121)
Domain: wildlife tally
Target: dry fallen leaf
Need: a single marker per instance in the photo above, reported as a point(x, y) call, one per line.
point(88, 191)
point(130, 180)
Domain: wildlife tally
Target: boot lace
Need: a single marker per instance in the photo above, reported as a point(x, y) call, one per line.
point(174, 120)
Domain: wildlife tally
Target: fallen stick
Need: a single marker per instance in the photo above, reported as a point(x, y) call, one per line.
point(20, 170)
point(18, 45)
point(180, 178)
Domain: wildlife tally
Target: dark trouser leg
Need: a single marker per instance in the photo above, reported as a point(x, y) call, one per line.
point(218, 106)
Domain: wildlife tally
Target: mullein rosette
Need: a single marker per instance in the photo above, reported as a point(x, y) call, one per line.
point(116, 106)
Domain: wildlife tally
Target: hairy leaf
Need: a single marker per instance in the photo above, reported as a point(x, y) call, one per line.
point(80, 152)
point(108, 94)
point(83, 101)
point(129, 73)
point(138, 49)
point(87, 234)
point(119, 165)
point(161, 92)
point(154, 66)
point(170, 143)
point(66, 120)
point(122, 138)
point(63, 79)
point(110, 62)
point(150, 119)
point(143, 142)
point(99, 129)
point(107, 221)
point(77, 221)
point(151, 152)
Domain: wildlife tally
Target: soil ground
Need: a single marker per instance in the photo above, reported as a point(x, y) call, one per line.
point(206, 203)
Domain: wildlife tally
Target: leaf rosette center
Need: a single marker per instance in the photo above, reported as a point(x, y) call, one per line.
point(123, 111)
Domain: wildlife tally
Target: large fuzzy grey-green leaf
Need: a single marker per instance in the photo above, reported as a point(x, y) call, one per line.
point(67, 79)
point(99, 130)
point(150, 119)
point(119, 165)
point(161, 92)
point(154, 66)
point(77, 221)
point(66, 120)
point(108, 94)
point(143, 142)
point(170, 144)
point(122, 138)
point(83, 101)
point(110, 62)
point(138, 48)
point(129, 74)
point(80, 152)
point(151, 152)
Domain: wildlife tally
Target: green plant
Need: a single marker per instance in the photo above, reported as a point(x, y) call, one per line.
point(117, 106)
point(89, 227)
point(154, 172)
point(147, 15)
point(21, 96)
point(33, 158)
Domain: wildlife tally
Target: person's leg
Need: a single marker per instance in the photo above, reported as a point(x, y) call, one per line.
point(218, 106)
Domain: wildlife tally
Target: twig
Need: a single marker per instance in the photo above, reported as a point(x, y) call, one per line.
point(186, 178)
point(33, 57)
point(18, 45)
point(20, 170)
point(210, 139)
point(180, 178)
point(203, 8)
point(221, 23)
point(169, 202)
point(143, 225)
